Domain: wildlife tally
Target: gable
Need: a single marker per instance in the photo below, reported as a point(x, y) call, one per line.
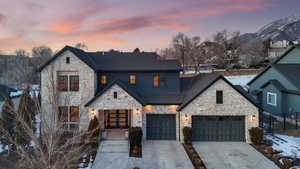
point(107, 101)
point(293, 57)
point(233, 101)
point(270, 74)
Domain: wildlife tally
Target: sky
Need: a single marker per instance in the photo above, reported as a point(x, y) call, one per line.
point(128, 24)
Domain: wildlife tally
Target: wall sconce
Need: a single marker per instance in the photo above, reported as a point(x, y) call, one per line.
point(186, 118)
point(93, 112)
point(137, 111)
point(253, 118)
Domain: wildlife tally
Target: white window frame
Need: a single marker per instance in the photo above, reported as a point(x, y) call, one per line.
point(275, 98)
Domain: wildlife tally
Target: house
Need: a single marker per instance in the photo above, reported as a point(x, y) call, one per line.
point(278, 86)
point(126, 89)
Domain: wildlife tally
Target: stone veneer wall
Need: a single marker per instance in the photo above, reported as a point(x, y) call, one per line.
point(124, 101)
point(86, 91)
point(160, 109)
point(233, 104)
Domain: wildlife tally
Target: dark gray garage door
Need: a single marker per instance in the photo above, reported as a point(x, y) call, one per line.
point(218, 128)
point(161, 127)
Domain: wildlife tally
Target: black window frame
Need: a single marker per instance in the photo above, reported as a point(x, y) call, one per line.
point(219, 97)
point(115, 95)
point(67, 60)
point(76, 87)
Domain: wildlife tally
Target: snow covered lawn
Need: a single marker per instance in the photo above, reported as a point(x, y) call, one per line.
point(289, 145)
point(240, 80)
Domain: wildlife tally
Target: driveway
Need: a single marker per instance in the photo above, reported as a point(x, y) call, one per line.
point(232, 155)
point(156, 155)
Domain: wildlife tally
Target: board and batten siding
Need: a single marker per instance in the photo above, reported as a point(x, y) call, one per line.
point(79, 98)
point(291, 58)
point(234, 104)
point(275, 109)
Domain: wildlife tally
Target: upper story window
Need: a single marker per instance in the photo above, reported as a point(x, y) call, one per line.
point(62, 82)
point(155, 81)
point(132, 79)
point(67, 60)
point(74, 83)
point(103, 79)
point(219, 97)
point(68, 81)
point(271, 98)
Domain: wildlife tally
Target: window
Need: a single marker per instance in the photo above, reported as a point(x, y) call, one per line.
point(219, 97)
point(67, 60)
point(74, 83)
point(132, 79)
point(271, 98)
point(115, 95)
point(69, 116)
point(103, 79)
point(156, 81)
point(63, 83)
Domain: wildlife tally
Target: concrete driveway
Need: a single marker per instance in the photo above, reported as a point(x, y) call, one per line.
point(156, 155)
point(232, 155)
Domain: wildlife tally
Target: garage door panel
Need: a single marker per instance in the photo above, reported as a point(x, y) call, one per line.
point(218, 128)
point(161, 126)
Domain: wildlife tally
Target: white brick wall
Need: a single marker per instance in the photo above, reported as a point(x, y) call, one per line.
point(86, 87)
point(234, 104)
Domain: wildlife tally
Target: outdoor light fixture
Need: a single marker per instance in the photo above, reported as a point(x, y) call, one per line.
point(253, 118)
point(186, 117)
point(93, 112)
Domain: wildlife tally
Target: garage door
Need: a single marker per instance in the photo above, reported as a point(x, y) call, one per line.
point(161, 127)
point(218, 128)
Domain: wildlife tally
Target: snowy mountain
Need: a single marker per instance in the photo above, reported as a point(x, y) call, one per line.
point(283, 29)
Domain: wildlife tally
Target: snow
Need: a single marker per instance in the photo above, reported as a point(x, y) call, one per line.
point(289, 145)
point(2, 148)
point(240, 80)
point(16, 94)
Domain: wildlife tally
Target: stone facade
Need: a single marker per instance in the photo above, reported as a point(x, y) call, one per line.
point(160, 109)
point(234, 104)
point(86, 91)
point(123, 101)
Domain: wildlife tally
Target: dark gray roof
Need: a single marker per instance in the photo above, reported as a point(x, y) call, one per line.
point(121, 61)
point(290, 71)
point(246, 94)
point(5, 91)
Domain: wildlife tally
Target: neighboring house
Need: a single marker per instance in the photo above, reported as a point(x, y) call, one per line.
point(4, 92)
point(277, 88)
point(127, 89)
point(277, 48)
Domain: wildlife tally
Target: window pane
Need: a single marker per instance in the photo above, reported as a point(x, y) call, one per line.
point(74, 83)
point(74, 114)
point(62, 83)
point(103, 79)
point(155, 81)
point(63, 113)
point(219, 97)
point(132, 79)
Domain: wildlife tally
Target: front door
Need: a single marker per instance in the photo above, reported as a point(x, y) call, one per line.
point(117, 119)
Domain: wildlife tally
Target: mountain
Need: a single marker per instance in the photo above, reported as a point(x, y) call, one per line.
point(282, 29)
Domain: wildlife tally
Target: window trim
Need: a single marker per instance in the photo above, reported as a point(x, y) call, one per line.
point(153, 80)
point(59, 83)
point(68, 123)
point(217, 97)
point(70, 84)
point(275, 98)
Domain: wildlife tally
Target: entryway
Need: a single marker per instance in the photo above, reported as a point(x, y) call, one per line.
point(117, 119)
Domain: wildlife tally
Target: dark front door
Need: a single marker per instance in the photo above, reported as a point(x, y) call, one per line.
point(161, 127)
point(218, 128)
point(117, 118)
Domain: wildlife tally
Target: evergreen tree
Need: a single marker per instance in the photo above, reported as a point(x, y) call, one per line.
point(26, 115)
point(7, 122)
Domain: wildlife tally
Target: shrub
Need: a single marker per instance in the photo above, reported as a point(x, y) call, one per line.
point(135, 136)
point(256, 135)
point(187, 133)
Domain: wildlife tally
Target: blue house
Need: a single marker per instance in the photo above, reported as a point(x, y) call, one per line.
point(277, 88)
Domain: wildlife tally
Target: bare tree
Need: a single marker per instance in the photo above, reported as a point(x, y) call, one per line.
point(21, 52)
point(181, 45)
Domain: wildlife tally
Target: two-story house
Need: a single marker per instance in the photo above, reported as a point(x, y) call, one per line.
point(278, 86)
point(126, 89)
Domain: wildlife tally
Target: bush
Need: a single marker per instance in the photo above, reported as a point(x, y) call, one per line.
point(187, 133)
point(135, 136)
point(256, 135)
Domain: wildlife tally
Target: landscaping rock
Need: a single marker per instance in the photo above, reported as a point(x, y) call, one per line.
point(286, 162)
point(275, 157)
point(269, 150)
point(197, 162)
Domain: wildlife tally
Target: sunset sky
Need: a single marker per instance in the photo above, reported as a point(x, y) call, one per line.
point(127, 24)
